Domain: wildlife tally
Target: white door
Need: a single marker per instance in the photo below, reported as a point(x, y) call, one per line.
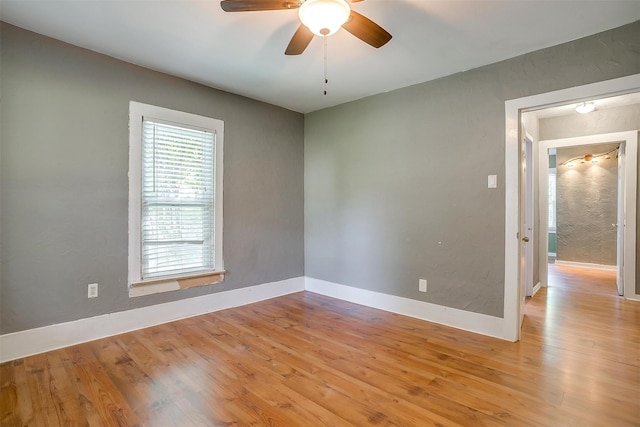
point(522, 235)
point(620, 222)
point(528, 230)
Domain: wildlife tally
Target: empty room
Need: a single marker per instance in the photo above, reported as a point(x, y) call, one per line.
point(319, 213)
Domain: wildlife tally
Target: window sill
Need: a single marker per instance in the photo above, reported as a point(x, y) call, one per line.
point(148, 287)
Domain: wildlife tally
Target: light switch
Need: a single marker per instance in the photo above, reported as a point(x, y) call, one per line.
point(492, 181)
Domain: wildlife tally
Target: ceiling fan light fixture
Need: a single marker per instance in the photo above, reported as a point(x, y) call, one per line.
point(324, 17)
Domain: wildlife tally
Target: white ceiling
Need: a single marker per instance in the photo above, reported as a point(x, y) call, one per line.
point(244, 52)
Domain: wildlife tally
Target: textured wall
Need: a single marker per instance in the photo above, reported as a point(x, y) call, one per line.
point(64, 130)
point(396, 184)
point(620, 119)
point(587, 199)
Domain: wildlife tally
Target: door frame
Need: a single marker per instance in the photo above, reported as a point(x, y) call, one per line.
point(630, 168)
point(513, 292)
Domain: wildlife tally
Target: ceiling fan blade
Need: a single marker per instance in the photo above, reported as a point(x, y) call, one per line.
point(299, 41)
point(257, 5)
point(366, 30)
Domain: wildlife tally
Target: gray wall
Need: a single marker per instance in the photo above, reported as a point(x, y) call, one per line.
point(587, 199)
point(396, 184)
point(64, 130)
point(620, 119)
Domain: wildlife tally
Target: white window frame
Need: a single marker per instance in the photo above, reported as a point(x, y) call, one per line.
point(137, 113)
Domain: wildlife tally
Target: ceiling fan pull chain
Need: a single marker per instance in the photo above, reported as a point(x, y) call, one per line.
point(326, 80)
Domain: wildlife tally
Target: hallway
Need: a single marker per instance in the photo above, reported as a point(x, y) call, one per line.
point(590, 339)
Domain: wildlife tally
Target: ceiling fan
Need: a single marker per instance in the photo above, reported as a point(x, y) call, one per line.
point(317, 17)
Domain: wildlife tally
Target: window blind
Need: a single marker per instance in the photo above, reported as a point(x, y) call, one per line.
point(178, 197)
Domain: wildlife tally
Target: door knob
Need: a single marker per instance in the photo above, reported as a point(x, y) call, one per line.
point(525, 239)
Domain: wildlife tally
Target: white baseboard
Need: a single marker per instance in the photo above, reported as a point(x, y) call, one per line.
point(33, 341)
point(586, 265)
point(460, 319)
point(536, 288)
point(39, 340)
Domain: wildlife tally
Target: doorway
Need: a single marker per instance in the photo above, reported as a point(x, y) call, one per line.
point(596, 164)
point(514, 211)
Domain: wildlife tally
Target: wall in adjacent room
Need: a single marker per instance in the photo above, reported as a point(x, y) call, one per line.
point(586, 206)
point(396, 184)
point(64, 130)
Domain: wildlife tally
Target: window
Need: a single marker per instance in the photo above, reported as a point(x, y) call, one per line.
point(552, 199)
point(175, 195)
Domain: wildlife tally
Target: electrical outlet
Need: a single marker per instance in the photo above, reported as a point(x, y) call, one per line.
point(92, 290)
point(422, 285)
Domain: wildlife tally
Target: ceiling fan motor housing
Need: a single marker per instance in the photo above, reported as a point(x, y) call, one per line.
point(324, 17)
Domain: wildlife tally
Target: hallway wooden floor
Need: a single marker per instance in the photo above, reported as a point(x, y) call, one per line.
point(307, 360)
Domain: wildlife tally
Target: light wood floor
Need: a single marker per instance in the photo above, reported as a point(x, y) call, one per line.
point(306, 360)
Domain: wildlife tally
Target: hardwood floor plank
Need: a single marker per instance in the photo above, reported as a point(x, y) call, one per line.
point(39, 380)
point(221, 392)
point(356, 370)
point(433, 362)
point(89, 412)
point(10, 393)
point(151, 402)
point(289, 364)
point(306, 359)
point(98, 392)
point(244, 368)
point(64, 393)
point(156, 364)
point(259, 362)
